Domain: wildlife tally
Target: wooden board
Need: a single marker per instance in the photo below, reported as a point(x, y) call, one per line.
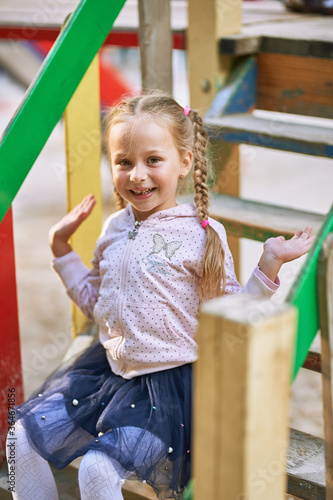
point(274, 132)
point(11, 383)
point(48, 95)
point(260, 221)
point(51, 14)
point(306, 466)
point(83, 167)
point(293, 84)
point(269, 27)
point(241, 398)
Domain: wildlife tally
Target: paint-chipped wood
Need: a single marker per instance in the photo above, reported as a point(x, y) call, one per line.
point(306, 466)
point(274, 132)
point(293, 84)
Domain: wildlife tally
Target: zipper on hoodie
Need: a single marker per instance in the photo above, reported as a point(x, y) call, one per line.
point(123, 273)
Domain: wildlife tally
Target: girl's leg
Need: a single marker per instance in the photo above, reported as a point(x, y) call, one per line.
point(33, 477)
point(98, 477)
point(101, 477)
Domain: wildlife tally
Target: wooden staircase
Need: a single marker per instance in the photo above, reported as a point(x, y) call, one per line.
point(276, 68)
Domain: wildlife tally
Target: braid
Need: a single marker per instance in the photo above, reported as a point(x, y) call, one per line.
point(201, 197)
point(213, 260)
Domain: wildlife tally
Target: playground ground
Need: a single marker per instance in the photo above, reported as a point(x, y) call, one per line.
point(275, 177)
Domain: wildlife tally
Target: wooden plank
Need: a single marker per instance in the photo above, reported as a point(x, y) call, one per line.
point(306, 466)
point(325, 299)
point(11, 384)
point(302, 295)
point(275, 132)
point(155, 45)
point(54, 85)
point(241, 398)
point(292, 84)
point(51, 14)
point(83, 161)
point(258, 221)
point(307, 35)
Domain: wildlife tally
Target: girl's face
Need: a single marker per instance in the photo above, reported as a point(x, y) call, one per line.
point(146, 165)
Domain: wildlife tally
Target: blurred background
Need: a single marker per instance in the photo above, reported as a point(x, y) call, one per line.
point(275, 177)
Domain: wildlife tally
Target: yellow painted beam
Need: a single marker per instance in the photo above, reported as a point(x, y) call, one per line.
point(83, 155)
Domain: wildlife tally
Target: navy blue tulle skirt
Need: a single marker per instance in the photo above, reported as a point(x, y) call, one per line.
point(143, 424)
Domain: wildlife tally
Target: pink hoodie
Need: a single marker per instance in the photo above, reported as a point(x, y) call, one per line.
point(143, 291)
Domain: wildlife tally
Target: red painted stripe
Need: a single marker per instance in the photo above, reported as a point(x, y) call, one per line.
point(10, 354)
point(117, 38)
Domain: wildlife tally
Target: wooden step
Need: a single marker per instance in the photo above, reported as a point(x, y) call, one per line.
point(306, 466)
point(258, 221)
point(274, 132)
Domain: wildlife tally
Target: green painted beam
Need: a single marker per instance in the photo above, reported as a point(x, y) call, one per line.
point(303, 295)
point(50, 92)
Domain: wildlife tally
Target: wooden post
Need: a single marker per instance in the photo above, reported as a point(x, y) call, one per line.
point(208, 22)
point(241, 398)
point(155, 44)
point(325, 300)
point(11, 386)
point(83, 154)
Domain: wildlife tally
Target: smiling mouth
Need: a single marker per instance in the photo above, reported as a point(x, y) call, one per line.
point(149, 190)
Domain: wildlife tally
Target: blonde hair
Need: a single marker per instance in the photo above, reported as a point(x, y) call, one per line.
point(189, 134)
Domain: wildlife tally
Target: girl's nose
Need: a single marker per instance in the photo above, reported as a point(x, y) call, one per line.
point(138, 174)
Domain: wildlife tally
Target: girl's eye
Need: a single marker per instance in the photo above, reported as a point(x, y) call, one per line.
point(124, 163)
point(153, 159)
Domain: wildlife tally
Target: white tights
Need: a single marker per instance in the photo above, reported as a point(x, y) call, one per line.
point(98, 476)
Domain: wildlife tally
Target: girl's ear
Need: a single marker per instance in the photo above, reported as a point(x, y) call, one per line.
point(186, 163)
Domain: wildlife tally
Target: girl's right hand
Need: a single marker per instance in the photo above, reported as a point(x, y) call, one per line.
point(60, 233)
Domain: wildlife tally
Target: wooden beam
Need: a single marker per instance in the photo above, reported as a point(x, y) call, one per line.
point(83, 158)
point(325, 300)
point(207, 22)
point(11, 383)
point(241, 398)
point(155, 45)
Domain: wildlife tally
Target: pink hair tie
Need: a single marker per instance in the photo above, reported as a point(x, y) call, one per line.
point(205, 223)
point(187, 109)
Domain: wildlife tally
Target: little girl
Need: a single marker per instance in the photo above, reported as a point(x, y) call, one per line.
point(124, 405)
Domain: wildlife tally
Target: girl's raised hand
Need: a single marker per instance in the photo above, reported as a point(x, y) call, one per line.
point(287, 250)
point(278, 251)
point(60, 233)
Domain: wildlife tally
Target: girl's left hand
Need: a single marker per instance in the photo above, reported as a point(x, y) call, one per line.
point(278, 251)
point(287, 250)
